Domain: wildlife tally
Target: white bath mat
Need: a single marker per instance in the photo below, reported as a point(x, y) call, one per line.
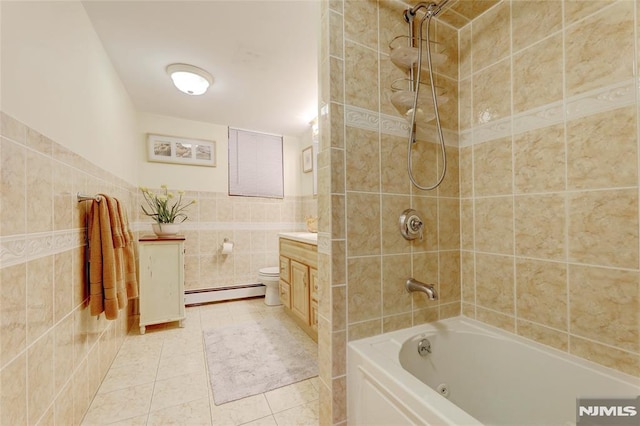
point(252, 358)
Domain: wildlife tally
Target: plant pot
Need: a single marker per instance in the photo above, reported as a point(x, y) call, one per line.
point(164, 230)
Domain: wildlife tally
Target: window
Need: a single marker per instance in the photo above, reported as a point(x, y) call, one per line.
point(255, 164)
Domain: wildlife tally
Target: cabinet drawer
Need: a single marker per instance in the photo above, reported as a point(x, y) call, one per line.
point(301, 252)
point(285, 269)
point(285, 294)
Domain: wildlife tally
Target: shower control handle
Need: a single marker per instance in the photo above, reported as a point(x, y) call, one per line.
point(411, 225)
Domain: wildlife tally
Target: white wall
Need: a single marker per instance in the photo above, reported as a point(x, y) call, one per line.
point(213, 179)
point(57, 79)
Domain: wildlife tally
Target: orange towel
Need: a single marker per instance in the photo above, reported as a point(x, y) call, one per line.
point(130, 277)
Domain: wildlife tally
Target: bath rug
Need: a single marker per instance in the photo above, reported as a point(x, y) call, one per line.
point(252, 358)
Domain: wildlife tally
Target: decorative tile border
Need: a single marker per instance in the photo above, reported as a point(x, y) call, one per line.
point(595, 101)
point(23, 248)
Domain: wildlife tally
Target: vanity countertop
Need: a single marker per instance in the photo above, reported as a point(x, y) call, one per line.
point(303, 237)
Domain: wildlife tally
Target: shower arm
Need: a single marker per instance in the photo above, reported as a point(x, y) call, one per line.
point(432, 9)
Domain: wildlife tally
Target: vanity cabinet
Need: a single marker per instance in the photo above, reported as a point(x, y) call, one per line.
point(298, 283)
point(161, 266)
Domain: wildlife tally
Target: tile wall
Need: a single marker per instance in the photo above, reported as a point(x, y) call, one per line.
point(364, 187)
point(549, 175)
point(252, 224)
point(53, 354)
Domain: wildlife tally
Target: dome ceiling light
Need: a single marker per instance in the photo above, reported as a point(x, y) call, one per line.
point(189, 79)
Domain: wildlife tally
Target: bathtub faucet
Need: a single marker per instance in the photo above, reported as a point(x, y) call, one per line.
point(415, 285)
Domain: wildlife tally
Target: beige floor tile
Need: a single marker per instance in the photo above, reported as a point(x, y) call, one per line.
point(134, 421)
point(303, 415)
point(119, 405)
point(178, 390)
point(188, 414)
point(241, 411)
point(286, 397)
point(134, 374)
point(265, 421)
point(173, 366)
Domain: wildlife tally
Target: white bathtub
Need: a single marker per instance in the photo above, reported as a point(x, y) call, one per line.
point(492, 377)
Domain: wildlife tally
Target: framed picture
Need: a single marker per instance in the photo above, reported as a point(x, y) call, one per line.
point(307, 159)
point(173, 149)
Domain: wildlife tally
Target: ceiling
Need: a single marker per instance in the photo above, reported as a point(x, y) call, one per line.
point(262, 55)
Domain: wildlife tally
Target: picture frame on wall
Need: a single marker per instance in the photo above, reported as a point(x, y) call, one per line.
point(178, 150)
point(307, 159)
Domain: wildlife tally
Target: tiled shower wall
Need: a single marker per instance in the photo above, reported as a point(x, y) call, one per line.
point(549, 175)
point(364, 187)
point(251, 223)
point(53, 354)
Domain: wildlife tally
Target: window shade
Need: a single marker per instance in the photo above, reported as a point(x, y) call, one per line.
point(255, 164)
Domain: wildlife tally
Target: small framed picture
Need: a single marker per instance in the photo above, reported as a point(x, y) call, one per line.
point(173, 149)
point(307, 159)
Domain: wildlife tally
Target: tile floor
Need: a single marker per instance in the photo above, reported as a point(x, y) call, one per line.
point(161, 378)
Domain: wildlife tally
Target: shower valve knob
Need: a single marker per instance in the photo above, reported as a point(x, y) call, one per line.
point(411, 226)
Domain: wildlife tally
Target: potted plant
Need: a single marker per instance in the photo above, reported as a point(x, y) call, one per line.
point(167, 212)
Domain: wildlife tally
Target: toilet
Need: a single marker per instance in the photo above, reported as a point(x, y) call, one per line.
point(270, 277)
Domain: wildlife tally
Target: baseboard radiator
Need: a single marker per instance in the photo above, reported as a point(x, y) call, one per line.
point(208, 295)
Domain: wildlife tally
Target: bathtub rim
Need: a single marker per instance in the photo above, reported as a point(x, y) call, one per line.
point(381, 354)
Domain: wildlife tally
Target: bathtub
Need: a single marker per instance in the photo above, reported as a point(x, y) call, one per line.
point(475, 374)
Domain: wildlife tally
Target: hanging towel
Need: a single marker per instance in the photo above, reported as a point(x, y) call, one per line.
point(103, 294)
point(130, 276)
point(117, 239)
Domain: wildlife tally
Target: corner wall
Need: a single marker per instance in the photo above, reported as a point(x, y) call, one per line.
point(65, 122)
point(549, 175)
point(363, 188)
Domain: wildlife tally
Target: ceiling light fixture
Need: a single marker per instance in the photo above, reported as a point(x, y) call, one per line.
point(189, 79)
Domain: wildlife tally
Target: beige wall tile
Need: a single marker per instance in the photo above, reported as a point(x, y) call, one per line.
point(466, 171)
point(492, 93)
point(449, 280)
point(364, 294)
point(336, 35)
point(13, 401)
point(466, 225)
point(448, 224)
point(12, 187)
point(363, 160)
point(40, 377)
point(543, 335)
point(39, 297)
point(604, 305)
point(593, 161)
point(492, 167)
point(539, 160)
point(339, 353)
point(605, 355)
point(361, 76)
point(338, 262)
point(586, 40)
point(537, 73)
point(337, 125)
point(391, 22)
point(422, 316)
point(338, 168)
point(494, 225)
point(495, 283)
point(491, 34)
point(63, 352)
point(337, 82)
point(365, 329)
point(464, 52)
point(363, 216)
point(392, 240)
point(496, 319)
point(575, 10)
point(395, 272)
point(397, 322)
point(540, 226)
point(449, 310)
point(532, 21)
point(541, 291)
point(389, 73)
point(360, 18)
point(337, 214)
point(448, 110)
point(339, 392)
point(63, 285)
point(424, 158)
point(13, 313)
point(393, 153)
point(468, 276)
point(603, 228)
point(465, 104)
point(448, 39)
point(339, 308)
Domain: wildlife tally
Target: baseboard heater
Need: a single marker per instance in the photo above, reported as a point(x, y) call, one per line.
point(207, 295)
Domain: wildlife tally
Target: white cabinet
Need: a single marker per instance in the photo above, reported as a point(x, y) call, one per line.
point(161, 280)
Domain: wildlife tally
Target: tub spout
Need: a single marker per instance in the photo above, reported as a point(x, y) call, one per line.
point(415, 285)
